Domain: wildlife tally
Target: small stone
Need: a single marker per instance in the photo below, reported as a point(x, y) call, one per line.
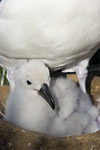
point(10, 144)
point(23, 131)
point(29, 144)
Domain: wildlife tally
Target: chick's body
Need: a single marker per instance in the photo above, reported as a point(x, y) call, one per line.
point(77, 114)
point(74, 112)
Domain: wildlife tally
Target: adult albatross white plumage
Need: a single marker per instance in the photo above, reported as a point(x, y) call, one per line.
point(64, 34)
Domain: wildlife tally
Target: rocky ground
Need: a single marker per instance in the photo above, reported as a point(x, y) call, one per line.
point(14, 138)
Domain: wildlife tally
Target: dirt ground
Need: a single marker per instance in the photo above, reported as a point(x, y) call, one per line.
point(14, 138)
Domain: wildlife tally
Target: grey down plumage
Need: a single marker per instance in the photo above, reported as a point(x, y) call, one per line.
point(74, 113)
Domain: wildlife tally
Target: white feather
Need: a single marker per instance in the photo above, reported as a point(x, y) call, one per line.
point(60, 32)
point(24, 106)
point(77, 114)
point(74, 113)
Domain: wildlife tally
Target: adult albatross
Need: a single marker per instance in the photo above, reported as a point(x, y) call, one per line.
point(64, 34)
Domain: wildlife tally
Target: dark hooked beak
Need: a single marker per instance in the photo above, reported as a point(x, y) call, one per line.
point(45, 93)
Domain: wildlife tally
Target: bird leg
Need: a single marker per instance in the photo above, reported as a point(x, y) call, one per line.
point(10, 77)
point(98, 106)
point(81, 71)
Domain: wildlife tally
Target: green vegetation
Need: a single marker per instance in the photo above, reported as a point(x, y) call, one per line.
point(3, 78)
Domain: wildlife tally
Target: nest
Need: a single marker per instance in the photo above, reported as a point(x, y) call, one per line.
point(14, 138)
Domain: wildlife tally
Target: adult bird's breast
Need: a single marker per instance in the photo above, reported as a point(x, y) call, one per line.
point(59, 32)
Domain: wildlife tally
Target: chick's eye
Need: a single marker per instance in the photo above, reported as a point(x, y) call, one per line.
point(29, 82)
